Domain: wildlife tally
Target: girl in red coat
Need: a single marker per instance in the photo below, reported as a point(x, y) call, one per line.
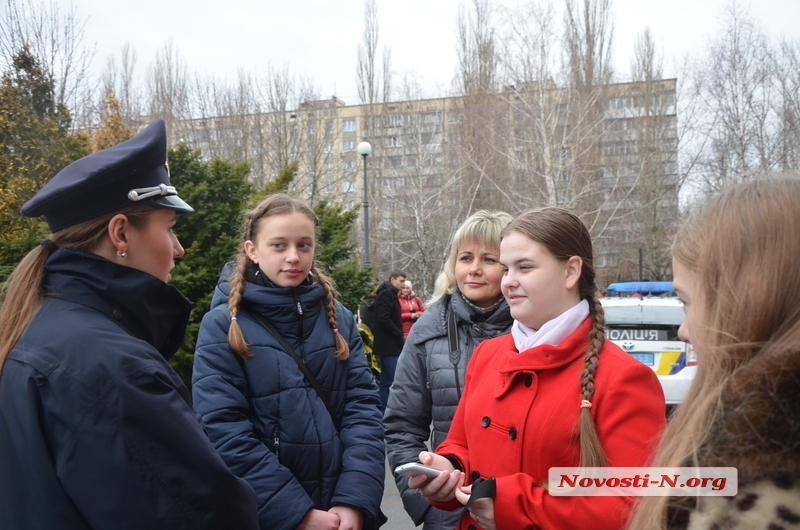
point(552, 393)
point(411, 308)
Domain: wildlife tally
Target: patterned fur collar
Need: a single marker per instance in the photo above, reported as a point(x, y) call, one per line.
point(762, 505)
point(759, 434)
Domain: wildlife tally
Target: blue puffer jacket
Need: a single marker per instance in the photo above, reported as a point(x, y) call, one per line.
point(269, 424)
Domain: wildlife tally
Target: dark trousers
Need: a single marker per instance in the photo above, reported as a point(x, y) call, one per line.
point(388, 366)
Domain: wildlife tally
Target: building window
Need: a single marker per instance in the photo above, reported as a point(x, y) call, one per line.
point(399, 120)
point(349, 125)
point(349, 186)
point(348, 145)
point(431, 117)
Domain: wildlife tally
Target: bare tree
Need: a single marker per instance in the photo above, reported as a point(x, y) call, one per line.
point(120, 79)
point(653, 206)
point(589, 37)
point(788, 108)
point(57, 40)
point(737, 84)
point(374, 89)
point(168, 86)
point(476, 46)
point(476, 142)
point(418, 195)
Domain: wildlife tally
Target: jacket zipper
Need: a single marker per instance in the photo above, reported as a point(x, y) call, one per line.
point(276, 441)
point(300, 325)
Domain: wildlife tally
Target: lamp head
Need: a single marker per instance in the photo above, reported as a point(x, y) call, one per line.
point(364, 149)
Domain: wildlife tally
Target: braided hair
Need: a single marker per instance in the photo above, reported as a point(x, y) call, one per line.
point(564, 235)
point(277, 204)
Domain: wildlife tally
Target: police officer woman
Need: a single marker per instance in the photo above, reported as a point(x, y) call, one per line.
point(96, 429)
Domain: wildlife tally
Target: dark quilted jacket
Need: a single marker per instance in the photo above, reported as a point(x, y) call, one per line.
point(424, 391)
point(270, 426)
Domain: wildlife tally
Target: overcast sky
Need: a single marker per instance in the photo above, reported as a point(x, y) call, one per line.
point(319, 38)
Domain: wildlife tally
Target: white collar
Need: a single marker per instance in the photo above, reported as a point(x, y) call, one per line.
point(552, 331)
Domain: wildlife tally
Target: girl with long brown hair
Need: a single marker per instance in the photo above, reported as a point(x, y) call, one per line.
point(552, 393)
point(735, 267)
point(314, 456)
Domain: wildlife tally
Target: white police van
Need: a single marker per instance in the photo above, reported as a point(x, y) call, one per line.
point(643, 318)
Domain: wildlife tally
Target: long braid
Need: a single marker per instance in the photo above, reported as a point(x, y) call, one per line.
point(235, 336)
point(565, 236)
point(342, 348)
point(592, 453)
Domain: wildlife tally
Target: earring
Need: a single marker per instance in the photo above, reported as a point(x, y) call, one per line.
point(122, 254)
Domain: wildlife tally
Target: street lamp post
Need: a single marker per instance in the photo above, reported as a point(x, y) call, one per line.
point(365, 149)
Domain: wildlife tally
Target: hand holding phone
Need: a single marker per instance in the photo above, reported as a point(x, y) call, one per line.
point(415, 468)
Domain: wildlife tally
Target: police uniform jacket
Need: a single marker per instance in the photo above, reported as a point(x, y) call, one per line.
point(427, 387)
point(96, 429)
point(518, 417)
point(269, 424)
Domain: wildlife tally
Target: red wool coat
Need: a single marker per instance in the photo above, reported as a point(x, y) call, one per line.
point(518, 417)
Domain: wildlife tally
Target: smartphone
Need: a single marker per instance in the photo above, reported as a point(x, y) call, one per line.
point(415, 468)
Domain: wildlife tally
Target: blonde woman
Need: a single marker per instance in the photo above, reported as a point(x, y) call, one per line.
point(735, 267)
point(430, 379)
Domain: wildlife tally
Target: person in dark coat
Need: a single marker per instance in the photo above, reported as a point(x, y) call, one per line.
point(315, 459)
point(388, 330)
point(96, 429)
point(429, 380)
point(366, 313)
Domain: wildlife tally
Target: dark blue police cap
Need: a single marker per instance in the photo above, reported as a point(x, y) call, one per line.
point(129, 173)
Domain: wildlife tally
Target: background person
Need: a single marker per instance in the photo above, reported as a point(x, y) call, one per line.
point(411, 307)
point(429, 381)
point(312, 464)
point(735, 268)
point(96, 429)
point(551, 393)
point(388, 330)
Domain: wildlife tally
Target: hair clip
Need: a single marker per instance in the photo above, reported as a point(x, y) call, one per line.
point(336, 330)
point(233, 319)
point(585, 404)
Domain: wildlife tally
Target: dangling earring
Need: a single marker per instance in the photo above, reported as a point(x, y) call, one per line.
point(122, 254)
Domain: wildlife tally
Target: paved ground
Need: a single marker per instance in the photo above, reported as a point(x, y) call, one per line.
point(392, 507)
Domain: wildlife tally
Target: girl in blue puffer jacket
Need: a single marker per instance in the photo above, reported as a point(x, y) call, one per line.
point(312, 464)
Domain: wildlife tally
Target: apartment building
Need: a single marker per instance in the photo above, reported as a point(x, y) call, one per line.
point(609, 154)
